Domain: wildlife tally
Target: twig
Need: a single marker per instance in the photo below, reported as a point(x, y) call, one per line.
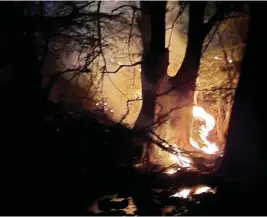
point(175, 20)
point(212, 36)
point(124, 66)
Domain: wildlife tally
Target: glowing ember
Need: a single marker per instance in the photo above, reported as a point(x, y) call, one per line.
point(171, 171)
point(204, 189)
point(201, 114)
point(201, 190)
point(184, 193)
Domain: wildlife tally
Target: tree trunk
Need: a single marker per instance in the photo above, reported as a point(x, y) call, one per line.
point(154, 62)
point(244, 162)
point(184, 81)
point(23, 114)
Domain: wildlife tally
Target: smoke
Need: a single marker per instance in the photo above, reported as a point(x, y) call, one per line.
point(125, 85)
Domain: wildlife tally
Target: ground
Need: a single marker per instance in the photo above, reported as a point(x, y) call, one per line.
point(85, 161)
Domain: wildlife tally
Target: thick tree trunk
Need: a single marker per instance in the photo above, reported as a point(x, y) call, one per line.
point(23, 114)
point(155, 63)
point(244, 162)
point(184, 81)
point(153, 38)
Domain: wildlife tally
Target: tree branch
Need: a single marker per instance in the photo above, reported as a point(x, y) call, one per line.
point(124, 66)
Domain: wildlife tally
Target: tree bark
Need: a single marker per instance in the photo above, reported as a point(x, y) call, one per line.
point(184, 81)
point(155, 63)
point(244, 160)
point(23, 111)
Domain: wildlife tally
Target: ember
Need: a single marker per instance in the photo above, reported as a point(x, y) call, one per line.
point(171, 171)
point(184, 193)
point(187, 192)
point(201, 190)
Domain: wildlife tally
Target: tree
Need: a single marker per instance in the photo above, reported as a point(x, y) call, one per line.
point(155, 61)
point(175, 96)
point(244, 162)
point(25, 36)
point(186, 77)
point(232, 39)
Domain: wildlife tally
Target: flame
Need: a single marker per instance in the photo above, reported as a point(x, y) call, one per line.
point(201, 114)
point(184, 193)
point(171, 171)
point(202, 189)
point(209, 148)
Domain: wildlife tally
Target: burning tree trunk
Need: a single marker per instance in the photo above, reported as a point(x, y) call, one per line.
point(184, 81)
point(244, 161)
point(155, 61)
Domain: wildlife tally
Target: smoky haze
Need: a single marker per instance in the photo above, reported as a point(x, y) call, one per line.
point(125, 84)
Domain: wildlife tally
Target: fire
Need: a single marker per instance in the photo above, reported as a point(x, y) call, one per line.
point(171, 171)
point(184, 193)
point(202, 189)
point(187, 192)
point(210, 148)
point(201, 114)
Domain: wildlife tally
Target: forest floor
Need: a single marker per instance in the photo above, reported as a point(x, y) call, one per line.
point(87, 171)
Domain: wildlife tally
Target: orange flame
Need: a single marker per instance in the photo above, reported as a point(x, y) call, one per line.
point(184, 193)
point(209, 148)
point(200, 113)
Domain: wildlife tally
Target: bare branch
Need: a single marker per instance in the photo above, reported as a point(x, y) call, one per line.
point(116, 87)
point(175, 20)
point(128, 108)
point(222, 11)
point(213, 34)
point(129, 45)
point(129, 6)
point(125, 66)
point(53, 80)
